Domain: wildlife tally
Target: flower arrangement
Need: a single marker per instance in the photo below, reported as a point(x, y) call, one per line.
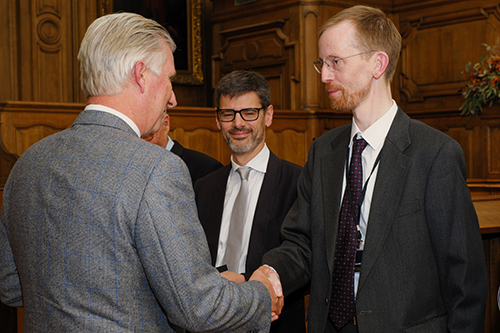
point(483, 85)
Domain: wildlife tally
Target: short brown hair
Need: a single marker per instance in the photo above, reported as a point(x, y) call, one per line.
point(240, 82)
point(374, 32)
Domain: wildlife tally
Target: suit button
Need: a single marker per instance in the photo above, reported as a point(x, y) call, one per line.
point(326, 301)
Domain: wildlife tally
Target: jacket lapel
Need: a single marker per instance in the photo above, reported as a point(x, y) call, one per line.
point(218, 193)
point(332, 171)
point(177, 149)
point(389, 186)
point(263, 210)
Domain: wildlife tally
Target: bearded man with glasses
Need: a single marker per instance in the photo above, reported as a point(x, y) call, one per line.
point(383, 229)
point(242, 205)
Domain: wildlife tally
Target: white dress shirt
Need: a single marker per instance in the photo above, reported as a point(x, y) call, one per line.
point(258, 170)
point(375, 136)
point(126, 119)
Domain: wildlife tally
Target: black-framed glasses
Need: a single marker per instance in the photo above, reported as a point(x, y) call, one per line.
point(248, 114)
point(332, 63)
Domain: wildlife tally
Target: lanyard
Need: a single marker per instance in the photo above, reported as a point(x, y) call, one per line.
point(357, 213)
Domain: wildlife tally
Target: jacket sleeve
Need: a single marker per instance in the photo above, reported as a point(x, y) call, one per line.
point(456, 240)
point(173, 250)
point(10, 285)
point(292, 259)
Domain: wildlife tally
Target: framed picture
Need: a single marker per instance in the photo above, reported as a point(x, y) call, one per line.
point(182, 19)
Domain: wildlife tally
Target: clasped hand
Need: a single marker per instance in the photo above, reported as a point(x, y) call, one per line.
point(270, 278)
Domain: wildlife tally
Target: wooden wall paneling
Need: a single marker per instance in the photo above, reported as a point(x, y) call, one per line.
point(483, 188)
point(8, 50)
point(24, 40)
point(437, 47)
point(195, 128)
point(83, 13)
point(466, 131)
point(52, 52)
point(309, 26)
point(288, 136)
point(262, 47)
point(24, 123)
point(492, 147)
point(491, 246)
point(42, 41)
point(465, 137)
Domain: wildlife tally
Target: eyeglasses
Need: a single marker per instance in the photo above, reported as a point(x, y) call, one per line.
point(332, 63)
point(249, 114)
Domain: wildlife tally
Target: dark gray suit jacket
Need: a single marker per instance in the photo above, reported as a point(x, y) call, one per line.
point(99, 232)
point(199, 164)
point(277, 195)
point(423, 265)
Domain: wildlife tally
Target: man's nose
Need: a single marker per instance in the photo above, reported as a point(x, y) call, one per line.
point(238, 120)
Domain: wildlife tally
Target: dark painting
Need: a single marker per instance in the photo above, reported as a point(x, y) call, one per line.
point(172, 14)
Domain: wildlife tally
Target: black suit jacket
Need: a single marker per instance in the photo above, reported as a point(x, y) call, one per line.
point(277, 195)
point(199, 164)
point(423, 264)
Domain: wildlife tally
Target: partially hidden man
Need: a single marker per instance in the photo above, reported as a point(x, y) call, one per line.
point(242, 205)
point(198, 163)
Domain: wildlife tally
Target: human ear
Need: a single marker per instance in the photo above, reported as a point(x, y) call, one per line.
point(269, 115)
point(138, 73)
point(382, 61)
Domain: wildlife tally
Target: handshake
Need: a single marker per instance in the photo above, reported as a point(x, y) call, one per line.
point(270, 278)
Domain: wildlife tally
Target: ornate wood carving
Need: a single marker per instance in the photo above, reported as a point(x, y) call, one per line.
point(263, 47)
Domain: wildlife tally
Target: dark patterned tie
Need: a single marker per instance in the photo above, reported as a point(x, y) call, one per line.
point(342, 307)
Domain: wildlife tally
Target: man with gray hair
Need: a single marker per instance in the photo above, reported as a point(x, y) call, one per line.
point(98, 228)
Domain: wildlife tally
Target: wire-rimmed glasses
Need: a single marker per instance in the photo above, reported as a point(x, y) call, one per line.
point(333, 62)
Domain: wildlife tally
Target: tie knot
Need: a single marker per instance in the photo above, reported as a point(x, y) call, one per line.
point(244, 172)
point(359, 144)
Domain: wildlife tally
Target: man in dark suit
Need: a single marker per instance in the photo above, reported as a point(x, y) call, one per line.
point(243, 113)
point(384, 227)
point(98, 228)
point(199, 164)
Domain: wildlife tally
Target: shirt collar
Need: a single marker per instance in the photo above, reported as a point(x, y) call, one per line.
point(258, 163)
point(375, 134)
point(170, 143)
point(120, 115)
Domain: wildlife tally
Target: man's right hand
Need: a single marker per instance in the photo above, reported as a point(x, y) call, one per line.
point(265, 274)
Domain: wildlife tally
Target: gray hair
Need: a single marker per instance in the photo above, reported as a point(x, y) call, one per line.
point(240, 82)
point(111, 47)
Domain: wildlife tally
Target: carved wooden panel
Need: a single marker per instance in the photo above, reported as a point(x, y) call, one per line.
point(52, 77)
point(24, 123)
point(8, 50)
point(262, 47)
point(289, 136)
point(492, 160)
point(288, 145)
point(195, 128)
point(40, 42)
point(437, 47)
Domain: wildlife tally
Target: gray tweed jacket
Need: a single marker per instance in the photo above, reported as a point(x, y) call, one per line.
point(99, 232)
